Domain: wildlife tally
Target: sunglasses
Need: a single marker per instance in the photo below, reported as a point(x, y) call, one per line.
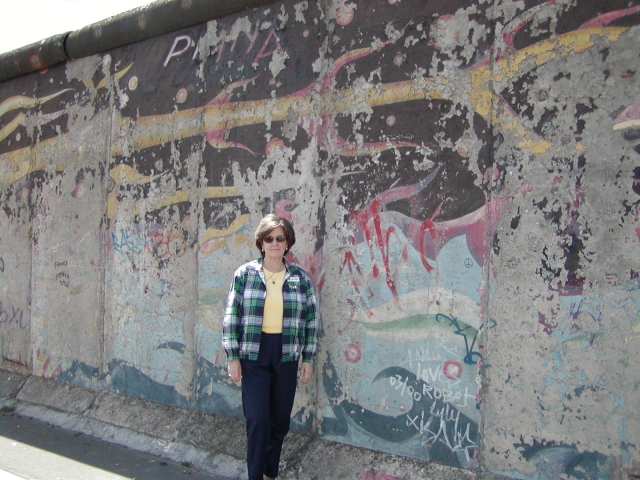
point(279, 239)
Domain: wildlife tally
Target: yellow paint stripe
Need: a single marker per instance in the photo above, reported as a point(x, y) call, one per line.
point(178, 197)
point(20, 120)
point(627, 124)
point(117, 76)
point(236, 225)
point(16, 102)
point(158, 129)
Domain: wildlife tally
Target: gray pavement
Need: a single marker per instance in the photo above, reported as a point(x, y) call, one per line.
point(34, 450)
point(51, 430)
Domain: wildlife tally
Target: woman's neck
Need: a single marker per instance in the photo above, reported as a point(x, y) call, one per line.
point(273, 265)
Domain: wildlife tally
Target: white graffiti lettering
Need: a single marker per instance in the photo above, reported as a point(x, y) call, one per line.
point(398, 382)
point(269, 45)
point(175, 52)
point(443, 425)
point(423, 355)
point(455, 397)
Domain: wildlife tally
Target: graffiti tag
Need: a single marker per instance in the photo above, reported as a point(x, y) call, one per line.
point(173, 245)
point(127, 241)
point(159, 244)
point(471, 356)
point(269, 44)
point(443, 425)
point(11, 316)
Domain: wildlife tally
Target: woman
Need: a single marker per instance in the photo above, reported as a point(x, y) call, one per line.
point(270, 322)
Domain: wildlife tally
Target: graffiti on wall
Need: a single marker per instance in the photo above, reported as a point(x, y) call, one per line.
point(381, 139)
point(12, 316)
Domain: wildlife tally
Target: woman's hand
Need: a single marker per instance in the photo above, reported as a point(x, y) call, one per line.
point(235, 372)
point(305, 372)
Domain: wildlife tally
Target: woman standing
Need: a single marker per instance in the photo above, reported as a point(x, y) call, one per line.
point(270, 322)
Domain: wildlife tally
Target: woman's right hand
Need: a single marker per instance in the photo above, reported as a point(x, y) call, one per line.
point(234, 370)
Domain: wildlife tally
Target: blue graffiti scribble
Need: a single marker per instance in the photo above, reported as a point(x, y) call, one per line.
point(129, 241)
point(471, 356)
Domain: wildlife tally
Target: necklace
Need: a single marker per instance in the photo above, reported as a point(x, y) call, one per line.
point(273, 274)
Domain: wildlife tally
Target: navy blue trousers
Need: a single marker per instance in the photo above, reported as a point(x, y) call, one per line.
point(268, 391)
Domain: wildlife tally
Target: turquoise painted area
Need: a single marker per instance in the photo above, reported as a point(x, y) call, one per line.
point(211, 296)
point(215, 273)
point(450, 271)
point(631, 285)
point(146, 322)
point(582, 304)
point(211, 272)
point(617, 401)
point(208, 343)
point(414, 322)
point(425, 359)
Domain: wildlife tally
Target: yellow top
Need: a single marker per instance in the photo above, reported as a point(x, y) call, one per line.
point(273, 304)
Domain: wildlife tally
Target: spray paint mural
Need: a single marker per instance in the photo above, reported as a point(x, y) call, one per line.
point(416, 146)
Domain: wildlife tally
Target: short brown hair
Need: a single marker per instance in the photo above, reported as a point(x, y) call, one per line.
point(270, 222)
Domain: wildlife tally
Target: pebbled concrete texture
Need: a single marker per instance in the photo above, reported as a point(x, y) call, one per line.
point(211, 443)
point(11, 385)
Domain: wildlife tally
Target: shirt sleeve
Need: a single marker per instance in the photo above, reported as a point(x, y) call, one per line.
point(310, 347)
point(233, 316)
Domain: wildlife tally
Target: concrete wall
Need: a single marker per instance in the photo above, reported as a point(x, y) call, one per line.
point(463, 179)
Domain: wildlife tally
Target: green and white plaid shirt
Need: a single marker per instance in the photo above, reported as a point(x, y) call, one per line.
point(242, 325)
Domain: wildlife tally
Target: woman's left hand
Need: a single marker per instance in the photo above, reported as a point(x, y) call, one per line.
point(305, 372)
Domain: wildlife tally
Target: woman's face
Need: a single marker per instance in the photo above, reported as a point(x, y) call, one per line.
point(275, 250)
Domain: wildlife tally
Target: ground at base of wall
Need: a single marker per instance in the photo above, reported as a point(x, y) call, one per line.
point(210, 443)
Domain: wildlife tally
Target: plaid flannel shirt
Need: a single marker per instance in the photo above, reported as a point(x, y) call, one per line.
point(242, 325)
